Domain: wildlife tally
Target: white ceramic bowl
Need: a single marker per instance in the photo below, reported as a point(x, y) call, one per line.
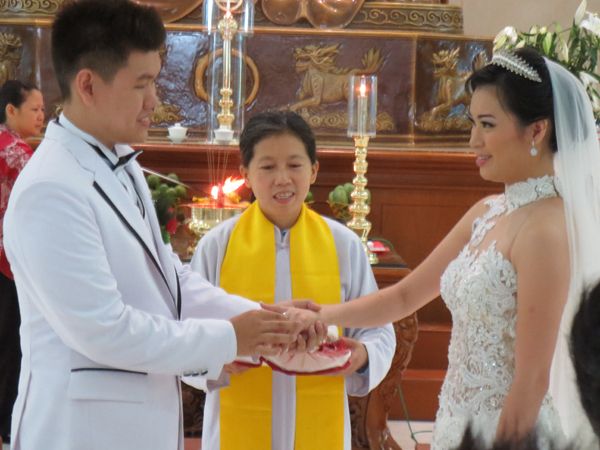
point(177, 133)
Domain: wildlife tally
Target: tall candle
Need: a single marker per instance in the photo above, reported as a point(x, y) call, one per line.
point(362, 108)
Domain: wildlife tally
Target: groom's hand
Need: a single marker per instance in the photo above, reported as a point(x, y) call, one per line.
point(306, 313)
point(262, 332)
point(310, 339)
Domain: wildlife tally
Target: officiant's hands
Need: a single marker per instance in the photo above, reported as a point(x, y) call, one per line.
point(262, 332)
point(358, 359)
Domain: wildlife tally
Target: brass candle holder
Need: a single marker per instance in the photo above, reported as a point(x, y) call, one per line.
point(362, 120)
point(204, 217)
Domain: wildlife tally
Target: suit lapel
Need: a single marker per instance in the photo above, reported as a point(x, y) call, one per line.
point(164, 253)
point(109, 183)
point(109, 188)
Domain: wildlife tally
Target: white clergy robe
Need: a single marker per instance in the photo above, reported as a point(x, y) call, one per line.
point(356, 278)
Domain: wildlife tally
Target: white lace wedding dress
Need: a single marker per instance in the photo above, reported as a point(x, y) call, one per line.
point(479, 287)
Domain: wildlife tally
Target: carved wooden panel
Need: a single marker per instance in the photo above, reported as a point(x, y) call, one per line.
point(304, 70)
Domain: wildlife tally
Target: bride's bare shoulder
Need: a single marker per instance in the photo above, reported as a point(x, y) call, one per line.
point(545, 226)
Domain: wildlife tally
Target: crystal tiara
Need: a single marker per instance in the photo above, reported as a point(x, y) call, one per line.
point(514, 63)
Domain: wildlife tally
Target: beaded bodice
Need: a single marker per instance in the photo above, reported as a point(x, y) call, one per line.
point(479, 287)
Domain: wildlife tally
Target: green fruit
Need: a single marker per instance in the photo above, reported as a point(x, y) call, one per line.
point(153, 181)
point(180, 191)
point(349, 187)
point(173, 176)
point(330, 197)
point(171, 194)
point(340, 195)
point(309, 197)
point(162, 189)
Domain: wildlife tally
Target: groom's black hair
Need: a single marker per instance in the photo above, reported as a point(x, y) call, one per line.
point(100, 35)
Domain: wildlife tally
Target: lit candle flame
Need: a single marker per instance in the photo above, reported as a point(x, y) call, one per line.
point(363, 88)
point(362, 107)
point(232, 185)
point(229, 186)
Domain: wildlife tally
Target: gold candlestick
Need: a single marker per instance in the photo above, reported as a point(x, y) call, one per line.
point(359, 207)
point(362, 111)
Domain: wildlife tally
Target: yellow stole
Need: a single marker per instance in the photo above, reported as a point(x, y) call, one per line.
point(248, 269)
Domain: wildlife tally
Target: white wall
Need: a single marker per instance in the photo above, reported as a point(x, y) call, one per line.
point(487, 17)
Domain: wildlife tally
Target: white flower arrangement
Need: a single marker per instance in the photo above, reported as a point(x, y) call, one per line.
point(576, 48)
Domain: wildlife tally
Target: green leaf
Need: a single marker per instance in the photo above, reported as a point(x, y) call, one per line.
point(165, 235)
point(547, 43)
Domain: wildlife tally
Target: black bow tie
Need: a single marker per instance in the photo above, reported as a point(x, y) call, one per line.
point(122, 161)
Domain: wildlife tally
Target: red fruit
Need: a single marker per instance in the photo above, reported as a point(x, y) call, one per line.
point(171, 226)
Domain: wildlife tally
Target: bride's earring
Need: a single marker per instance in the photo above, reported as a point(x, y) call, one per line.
point(533, 151)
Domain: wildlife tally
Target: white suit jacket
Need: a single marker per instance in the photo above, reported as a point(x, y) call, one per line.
point(99, 295)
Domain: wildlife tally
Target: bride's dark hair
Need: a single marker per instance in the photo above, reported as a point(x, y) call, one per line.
point(527, 100)
point(471, 441)
point(585, 352)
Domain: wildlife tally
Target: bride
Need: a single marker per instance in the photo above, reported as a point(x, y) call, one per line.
point(503, 270)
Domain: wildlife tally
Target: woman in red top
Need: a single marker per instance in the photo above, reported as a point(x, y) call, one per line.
point(21, 117)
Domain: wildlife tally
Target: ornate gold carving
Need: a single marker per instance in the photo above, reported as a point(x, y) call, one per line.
point(166, 113)
point(441, 18)
point(172, 10)
point(30, 7)
point(319, 13)
point(451, 93)
point(200, 75)
point(323, 82)
point(10, 56)
point(339, 120)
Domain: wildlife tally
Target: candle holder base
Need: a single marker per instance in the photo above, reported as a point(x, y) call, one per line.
point(224, 135)
point(373, 258)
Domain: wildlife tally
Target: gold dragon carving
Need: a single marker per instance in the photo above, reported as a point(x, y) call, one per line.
point(319, 13)
point(164, 112)
point(10, 56)
point(206, 60)
point(25, 7)
point(324, 84)
point(451, 92)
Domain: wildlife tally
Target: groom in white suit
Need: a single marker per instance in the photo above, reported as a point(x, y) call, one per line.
point(100, 295)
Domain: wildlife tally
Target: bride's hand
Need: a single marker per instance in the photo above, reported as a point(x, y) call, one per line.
point(305, 312)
